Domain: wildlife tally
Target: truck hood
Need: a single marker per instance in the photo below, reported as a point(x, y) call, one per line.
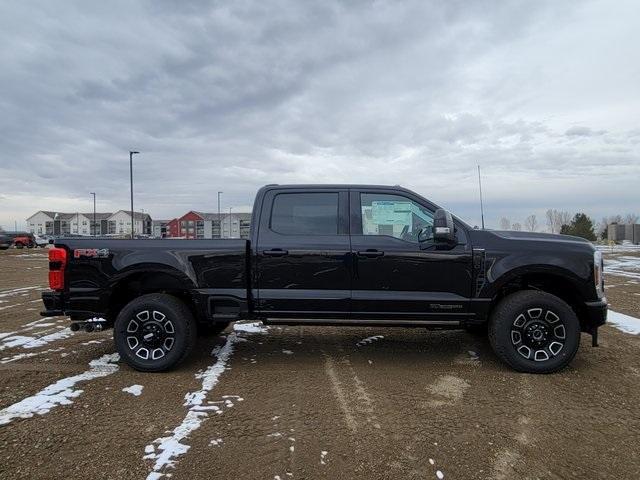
point(549, 237)
point(533, 239)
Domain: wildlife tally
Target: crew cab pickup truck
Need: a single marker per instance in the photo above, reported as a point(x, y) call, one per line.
point(336, 255)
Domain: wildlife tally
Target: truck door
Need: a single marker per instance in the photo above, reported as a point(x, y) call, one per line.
point(393, 276)
point(303, 253)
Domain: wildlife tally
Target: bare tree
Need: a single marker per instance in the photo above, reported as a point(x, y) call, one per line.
point(631, 218)
point(556, 219)
point(516, 227)
point(505, 223)
point(531, 223)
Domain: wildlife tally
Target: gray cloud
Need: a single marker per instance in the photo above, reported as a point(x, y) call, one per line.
point(232, 96)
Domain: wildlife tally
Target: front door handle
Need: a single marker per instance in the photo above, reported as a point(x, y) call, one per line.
point(370, 253)
point(275, 252)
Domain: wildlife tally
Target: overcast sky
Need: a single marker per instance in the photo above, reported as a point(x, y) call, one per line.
point(229, 96)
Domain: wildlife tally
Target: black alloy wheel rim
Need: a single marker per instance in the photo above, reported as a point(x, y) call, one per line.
point(150, 335)
point(538, 334)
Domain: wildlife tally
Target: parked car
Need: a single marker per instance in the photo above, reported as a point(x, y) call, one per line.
point(40, 241)
point(5, 240)
point(336, 255)
point(21, 239)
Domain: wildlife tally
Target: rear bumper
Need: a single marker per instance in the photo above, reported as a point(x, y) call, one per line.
point(78, 305)
point(53, 304)
point(595, 314)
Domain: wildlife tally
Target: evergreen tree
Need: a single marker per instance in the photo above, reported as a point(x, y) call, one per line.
point(580, 226)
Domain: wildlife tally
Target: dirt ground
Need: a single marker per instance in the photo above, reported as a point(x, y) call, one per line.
point(310, 402)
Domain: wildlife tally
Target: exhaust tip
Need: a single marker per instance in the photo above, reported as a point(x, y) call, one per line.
point(74, 327)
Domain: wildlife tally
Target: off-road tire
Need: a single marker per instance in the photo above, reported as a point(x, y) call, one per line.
point(517, 313)
point(163, 316)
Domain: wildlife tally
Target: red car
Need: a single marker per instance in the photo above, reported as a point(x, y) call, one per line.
point(22, 239)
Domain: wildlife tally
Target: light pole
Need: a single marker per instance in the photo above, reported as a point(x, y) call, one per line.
point(94, 213)
point(481, 204)
point(219, 217)
point(230, 223)
point(131, 154)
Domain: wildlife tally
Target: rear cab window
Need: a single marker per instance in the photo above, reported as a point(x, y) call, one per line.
point(305, 213)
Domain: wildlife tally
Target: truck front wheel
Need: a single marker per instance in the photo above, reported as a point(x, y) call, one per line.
point(154, 332)
point(534, 332)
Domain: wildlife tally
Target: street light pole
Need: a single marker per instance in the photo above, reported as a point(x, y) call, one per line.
point(131, 154)
point(219, 217)
point(94, 213)
point(230, 223)
point(481, 203)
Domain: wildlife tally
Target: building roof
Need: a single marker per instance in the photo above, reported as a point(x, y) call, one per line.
point(136, 215)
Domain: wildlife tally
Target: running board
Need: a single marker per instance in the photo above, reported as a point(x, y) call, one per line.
point(362, 323)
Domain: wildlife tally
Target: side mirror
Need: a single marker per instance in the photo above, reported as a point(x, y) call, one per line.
point(443, 228)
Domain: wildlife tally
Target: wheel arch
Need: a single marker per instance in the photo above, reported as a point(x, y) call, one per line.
point(150, 279)
point(555, 281)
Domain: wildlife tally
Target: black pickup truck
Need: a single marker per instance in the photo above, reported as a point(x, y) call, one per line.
point(336, 255)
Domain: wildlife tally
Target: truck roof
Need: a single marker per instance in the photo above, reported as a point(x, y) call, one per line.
point(336, 185)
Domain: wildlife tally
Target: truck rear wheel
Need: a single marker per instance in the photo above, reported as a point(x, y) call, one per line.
point(534, 332)
point(154, 332)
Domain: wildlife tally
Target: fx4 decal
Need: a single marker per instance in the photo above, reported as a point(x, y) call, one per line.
point(91, 252)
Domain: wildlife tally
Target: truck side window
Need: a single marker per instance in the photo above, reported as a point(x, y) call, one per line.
point(305, 214)
point(393, 215)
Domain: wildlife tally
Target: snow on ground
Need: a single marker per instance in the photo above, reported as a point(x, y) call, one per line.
point(368, 340)
point(618, 248)
point(249, 327)
point(59, 393)
point(166, 450)
point(624, 322)
point(135, 390)
point(34, 342)
point(21, 356)
point(19, 291)
point(623, 266)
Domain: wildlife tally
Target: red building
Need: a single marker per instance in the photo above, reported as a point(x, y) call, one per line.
point(173, 228)
point(190, 222)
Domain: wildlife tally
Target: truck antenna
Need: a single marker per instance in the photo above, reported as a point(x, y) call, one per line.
point(481, 205)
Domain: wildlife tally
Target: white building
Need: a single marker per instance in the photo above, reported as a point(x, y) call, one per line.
point(119, 223)
point(62, 223)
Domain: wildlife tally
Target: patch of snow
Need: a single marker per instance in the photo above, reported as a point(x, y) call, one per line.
point(323, 457)
point(135, 390)
point(275, 435)
point(20, 356)
point(368, 340)
point(626, 323)
point(287, 352)
point(168, 449)
point(440, 475)
point(18, 291)
point(59, 393)
point(249, 327)
point(34, 342)
point(216, 442)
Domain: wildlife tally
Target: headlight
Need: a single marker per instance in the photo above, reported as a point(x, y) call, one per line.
point(597, 273)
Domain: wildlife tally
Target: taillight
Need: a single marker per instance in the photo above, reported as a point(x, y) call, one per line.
point(597, 273)
point(57, 263)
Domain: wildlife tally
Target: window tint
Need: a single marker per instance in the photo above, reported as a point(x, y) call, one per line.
point(305, 214)
point(393, 215)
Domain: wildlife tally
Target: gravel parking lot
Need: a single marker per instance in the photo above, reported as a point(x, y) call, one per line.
point(311, 402)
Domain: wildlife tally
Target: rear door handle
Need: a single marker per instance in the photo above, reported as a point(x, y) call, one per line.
point(370, 253)
point(276, 252)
